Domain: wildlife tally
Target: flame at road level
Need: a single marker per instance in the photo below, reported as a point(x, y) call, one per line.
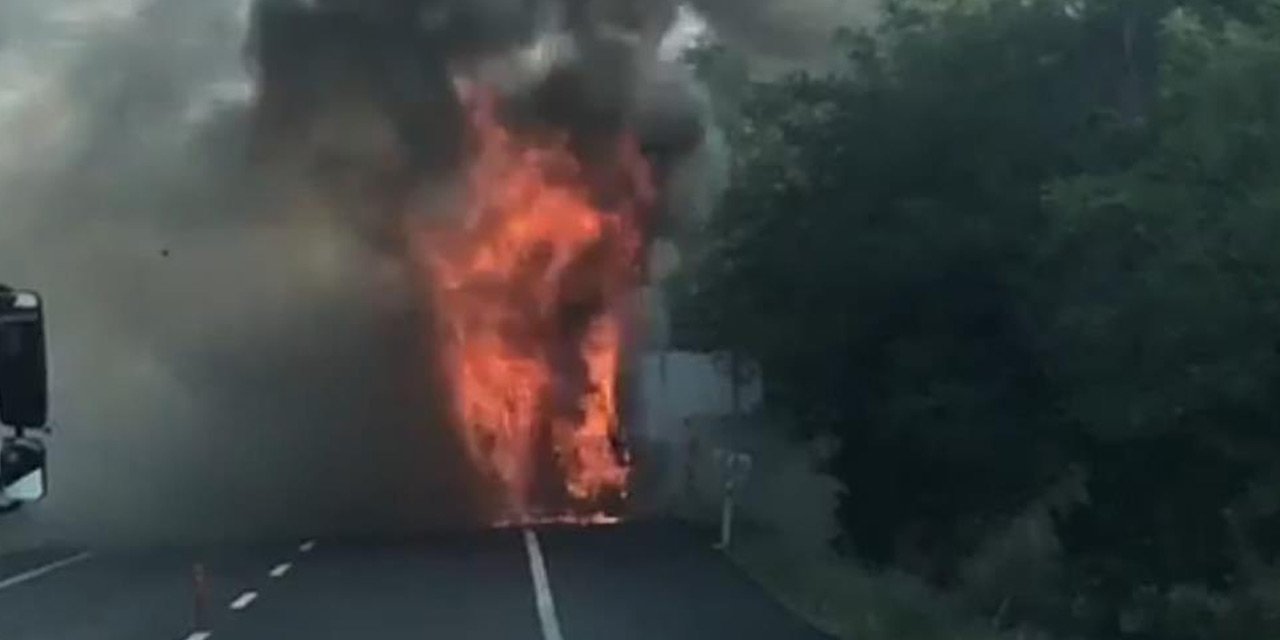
point(527, 293)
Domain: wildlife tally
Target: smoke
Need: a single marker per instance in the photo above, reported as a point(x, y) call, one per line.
point(225, 357)
point(792, 32)
point(363, 96)
point(206, 193)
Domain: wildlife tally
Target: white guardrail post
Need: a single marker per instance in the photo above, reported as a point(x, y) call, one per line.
point(734, 467)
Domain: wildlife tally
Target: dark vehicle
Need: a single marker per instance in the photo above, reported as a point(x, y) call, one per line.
point(24, 402)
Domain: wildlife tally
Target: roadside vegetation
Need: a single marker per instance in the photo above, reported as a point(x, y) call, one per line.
point(1021, 260)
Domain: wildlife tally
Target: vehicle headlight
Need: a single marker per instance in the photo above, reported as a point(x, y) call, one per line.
point(26, 300)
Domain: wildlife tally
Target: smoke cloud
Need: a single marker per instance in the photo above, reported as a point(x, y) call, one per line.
point(791, 32)
point(225, 356)
point(205, 191)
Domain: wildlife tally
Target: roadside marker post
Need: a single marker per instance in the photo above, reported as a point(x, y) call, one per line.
point(734, 467)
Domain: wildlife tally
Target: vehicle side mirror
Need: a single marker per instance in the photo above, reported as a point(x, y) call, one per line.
point(24, 401)
point(22, 471)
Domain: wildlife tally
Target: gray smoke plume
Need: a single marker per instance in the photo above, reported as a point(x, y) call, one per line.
point(361, 96)
point(387, 70)
point(226, 358)
point(791, 32)
point(204, 191)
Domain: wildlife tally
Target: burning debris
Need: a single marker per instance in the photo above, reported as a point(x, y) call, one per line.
point(512, 153)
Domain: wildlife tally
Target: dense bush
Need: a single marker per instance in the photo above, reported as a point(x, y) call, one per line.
point(1009, 238)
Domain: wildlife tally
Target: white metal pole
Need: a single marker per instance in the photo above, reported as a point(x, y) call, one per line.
point(726, 521)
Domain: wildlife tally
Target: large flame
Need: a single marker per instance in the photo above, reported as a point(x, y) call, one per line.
point(528, 294)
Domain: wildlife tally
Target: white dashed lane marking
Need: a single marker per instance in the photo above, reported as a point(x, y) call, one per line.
point(200, 635)
point(281, 569)
point(542, 588)
point(307, 546)
point(43, 571)
point(244, 600)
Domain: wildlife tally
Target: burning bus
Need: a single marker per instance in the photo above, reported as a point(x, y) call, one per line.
point(504, 152)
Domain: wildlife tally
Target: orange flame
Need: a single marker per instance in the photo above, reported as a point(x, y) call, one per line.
point(527, 295)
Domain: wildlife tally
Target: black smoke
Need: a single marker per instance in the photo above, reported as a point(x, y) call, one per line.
point(583, 67)
point(206, 193)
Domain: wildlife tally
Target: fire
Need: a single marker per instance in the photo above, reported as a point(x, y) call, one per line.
point(527, 292)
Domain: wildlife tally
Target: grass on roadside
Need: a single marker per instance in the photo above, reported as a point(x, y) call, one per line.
point(846, 600)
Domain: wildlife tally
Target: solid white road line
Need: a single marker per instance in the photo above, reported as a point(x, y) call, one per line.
point(281, 569)
point(244, 600)
point(542, 588)
point(307, 546)
point(199, 635)
point(47, 569)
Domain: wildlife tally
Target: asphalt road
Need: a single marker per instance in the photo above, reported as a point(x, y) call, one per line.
point(650, 581)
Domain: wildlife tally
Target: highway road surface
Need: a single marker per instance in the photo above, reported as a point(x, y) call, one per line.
point(652, 581)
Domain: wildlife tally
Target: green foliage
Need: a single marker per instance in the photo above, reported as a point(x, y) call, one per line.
point(871, 256)
point(1168, 267)
point(1011, 236)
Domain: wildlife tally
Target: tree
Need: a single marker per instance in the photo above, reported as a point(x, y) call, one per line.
point(1009, 237)
point(872, 252)
point(1165, 333)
